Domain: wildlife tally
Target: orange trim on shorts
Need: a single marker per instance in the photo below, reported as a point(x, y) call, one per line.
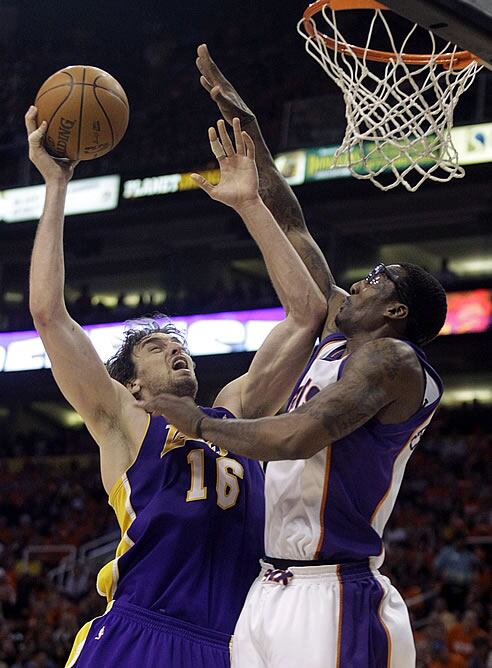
point(340, 612)
point(388, 636)
point(323, 502)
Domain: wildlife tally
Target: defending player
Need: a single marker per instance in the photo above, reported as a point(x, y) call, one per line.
point(337, 459)
point(336, 464)
point(191, 516)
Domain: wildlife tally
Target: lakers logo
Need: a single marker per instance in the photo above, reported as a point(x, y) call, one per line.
point(175, 439)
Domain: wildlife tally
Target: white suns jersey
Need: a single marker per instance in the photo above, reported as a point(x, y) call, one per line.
point(335, 505)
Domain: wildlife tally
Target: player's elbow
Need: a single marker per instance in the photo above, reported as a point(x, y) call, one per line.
point(44, 315)
point(40, 316)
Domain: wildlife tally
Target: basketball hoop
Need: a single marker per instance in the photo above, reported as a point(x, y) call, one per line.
point(399, 105)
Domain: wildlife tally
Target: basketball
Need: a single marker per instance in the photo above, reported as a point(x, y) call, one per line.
point(86, 110)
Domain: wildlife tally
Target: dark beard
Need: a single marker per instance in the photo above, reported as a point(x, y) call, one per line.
point(185, 387)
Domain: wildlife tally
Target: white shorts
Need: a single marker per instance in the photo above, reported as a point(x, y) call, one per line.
point(344, 616)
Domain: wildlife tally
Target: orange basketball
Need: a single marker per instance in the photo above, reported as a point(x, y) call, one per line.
point(86, 110)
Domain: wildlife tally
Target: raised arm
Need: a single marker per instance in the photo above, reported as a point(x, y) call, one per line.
point(282, 356)
point(274, 189)
point(383, 378)
point(77, 368)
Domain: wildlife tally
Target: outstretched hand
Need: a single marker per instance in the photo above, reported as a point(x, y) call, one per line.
point(50, 168)
point(222, 92)
point(238, 185)
point(182, 412)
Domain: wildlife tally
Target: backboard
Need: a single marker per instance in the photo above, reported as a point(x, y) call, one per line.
point(467, 23)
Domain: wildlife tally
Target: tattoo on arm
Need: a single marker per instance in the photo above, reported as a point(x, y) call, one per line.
point(279, 197)
point(371, 381)
point(369, 384)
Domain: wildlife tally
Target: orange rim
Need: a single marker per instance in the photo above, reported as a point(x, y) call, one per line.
point(455, 61)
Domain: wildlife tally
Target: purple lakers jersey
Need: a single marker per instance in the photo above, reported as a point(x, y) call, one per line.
point(335, 505)
point(192, 519)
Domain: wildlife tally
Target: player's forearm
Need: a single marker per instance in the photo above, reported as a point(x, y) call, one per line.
point(274, 189)
point(295, 288)
point(47, 275)
point(265, 439)
point(284, 205)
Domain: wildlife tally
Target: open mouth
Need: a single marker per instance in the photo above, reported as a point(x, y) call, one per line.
point(179, 363)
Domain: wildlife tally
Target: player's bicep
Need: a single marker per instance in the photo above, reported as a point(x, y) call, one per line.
point(80, 373)
point(368, 385)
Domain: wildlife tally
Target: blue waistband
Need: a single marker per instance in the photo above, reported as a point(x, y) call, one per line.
point(162, 622)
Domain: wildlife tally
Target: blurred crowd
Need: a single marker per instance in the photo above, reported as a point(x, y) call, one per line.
point(239, 294)
point(45, 513)
point(438, 543)
point(229, 292)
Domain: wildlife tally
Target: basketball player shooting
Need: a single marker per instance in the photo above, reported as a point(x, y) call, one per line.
point(336, 463)
point(191, 515)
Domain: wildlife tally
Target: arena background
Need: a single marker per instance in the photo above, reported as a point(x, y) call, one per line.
point(165, 247)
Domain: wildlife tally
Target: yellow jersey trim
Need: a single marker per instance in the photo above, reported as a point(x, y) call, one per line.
point(120, 479)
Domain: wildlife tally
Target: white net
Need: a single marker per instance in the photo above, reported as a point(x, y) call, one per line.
point(399, 116)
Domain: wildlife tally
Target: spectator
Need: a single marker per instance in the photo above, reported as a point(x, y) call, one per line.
point(443, 614)
point(7, 595)
point(461, 636)
point(455, 563)
point(481, 653)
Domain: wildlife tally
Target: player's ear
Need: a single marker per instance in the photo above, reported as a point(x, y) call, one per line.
point(396, 311)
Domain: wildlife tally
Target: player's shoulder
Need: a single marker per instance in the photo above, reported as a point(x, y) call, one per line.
point(386, 358)
point(387, 345)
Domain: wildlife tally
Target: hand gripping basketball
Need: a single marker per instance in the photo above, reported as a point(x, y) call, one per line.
point(51, 169)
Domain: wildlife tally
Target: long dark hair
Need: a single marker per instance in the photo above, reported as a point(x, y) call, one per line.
point(121, 366)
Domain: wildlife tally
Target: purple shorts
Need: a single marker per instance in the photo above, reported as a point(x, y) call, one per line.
point(132, 637)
